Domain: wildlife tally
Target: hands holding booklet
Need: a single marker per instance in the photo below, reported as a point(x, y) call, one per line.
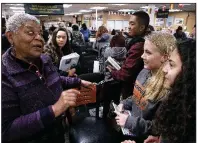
point(112, 64)
point(69, 61)
point(121, 118)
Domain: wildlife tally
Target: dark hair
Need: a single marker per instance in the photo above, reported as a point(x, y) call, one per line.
point(118, 40)
point(52, 28)
point(113, 32)
point(176, 117)
point(66, 49)
point(151, 28)
point(70, 24)
point(143, 18)
point(195, 26)
point(84, 26)
point(179, 28)
point(75, 28)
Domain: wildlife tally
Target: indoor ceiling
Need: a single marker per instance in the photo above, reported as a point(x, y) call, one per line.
point(75, 8)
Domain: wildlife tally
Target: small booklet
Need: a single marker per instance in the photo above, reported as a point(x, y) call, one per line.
point(125, 131)
point(68, 61)
point(87, 95)
point(113, 63)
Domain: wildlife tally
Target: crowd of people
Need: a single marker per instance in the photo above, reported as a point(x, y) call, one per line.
point(157, 78)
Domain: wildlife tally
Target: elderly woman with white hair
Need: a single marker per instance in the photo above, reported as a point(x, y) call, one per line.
point(33, 98)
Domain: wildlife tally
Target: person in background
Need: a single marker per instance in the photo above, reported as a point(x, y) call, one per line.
point(86, 32)
point(51, 30)
point(193, 33)
point(133, 64)
point(58, 47)
point(113, 32)
point(33, 96)
point(78, 39)
point(5, 43)
point(151, 28)
point(117, 48)
point(69, 27)
point(102, 34)
point(45, 34)
point(103, 39)
point(148, 91)
point(179, 34)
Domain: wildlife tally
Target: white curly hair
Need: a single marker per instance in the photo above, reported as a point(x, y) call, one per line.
point(17, 20)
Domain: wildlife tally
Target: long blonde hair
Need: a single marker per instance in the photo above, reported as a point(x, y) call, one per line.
point(166, 43)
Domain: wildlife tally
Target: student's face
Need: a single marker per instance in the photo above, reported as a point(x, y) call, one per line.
point(152, 57)
point(135, 28)
point(172, 68)
point(27, 40)
point(61, 38)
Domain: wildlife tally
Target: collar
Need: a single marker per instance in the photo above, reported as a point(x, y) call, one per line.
point(15, 66)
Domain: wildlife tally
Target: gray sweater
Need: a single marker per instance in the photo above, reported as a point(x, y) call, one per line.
point(142, 111)
point(115, 52)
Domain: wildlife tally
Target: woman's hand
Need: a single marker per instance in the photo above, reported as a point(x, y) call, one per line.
point(85, 83)
point(128, 141)
point(121, 118)
point(110, 68)
point(67, 99)
point(152, 139)
point(120, 107)
point(72, 72)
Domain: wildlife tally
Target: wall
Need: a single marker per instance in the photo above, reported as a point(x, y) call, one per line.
point(189, 20)
point(56, 18)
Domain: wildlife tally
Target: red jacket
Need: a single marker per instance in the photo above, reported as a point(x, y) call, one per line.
point(130, 68)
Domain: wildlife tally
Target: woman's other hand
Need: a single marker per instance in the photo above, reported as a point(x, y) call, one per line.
point(85, 83)
point(121, 118)
point(72, 72)
point(67, 99)
point(128, 141)
point(152, 139)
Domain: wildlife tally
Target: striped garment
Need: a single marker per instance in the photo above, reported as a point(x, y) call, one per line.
point(27, 101)
point(118, 53)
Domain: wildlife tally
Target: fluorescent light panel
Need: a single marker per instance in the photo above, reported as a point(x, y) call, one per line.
point(146, 7)
point(67, 5)
point(174, 10)
point(16, 4)
point(185, 4)
point(118, 4)
point(126, 10)
point(85, 10)
point(98, 7)
point(18, 11)
point(77, 13)
point(19, 8)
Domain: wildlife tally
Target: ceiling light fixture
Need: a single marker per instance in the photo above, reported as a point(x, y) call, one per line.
point(85, 10)
point(126, 10)
point(18, 11)
point(16, 4)
point(98, 8)
point(146, 7)
point(18, 8)
point(174, 10)
point(185, 4)
point(67, 5)
point(118, 4)
point(77, 13)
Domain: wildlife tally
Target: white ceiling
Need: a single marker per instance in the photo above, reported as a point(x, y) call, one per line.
point(76, 7)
